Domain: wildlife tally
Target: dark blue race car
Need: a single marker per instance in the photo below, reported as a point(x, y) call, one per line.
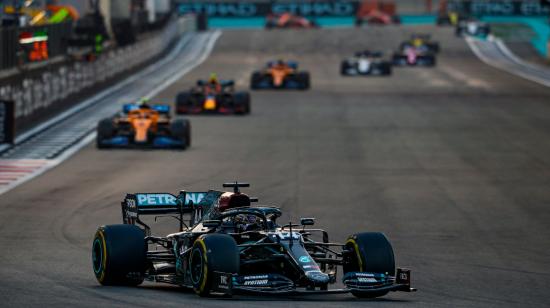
point(143, 125)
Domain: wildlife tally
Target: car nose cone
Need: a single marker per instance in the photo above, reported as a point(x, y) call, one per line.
point(317, 277)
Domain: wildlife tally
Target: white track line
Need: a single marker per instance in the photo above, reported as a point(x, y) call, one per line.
point(49, 164)
point(94, 99)
point(514, 61)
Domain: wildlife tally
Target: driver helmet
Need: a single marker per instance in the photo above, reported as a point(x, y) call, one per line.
point(213, 78)
point(144, 102)
point(230, 200)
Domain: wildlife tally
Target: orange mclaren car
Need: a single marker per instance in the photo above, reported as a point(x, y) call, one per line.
point(280, 75)
point(143, 125)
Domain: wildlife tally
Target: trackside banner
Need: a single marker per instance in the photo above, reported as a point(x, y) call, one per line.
point(263, 8)
point(7, 121)
point(501, 7)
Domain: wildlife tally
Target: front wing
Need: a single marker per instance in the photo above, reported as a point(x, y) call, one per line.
point(156, 142)
point(289, 83)
point(275, 284)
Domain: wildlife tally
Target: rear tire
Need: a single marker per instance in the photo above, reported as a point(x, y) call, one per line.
point(431, 61)
point(435, 47)
point(372, 253)
point(181, 130)
point(119, 255)
point(212, 253)
point(242, 99)
point(386, 68)
point(183, 101)
point(344, 68)
point(105, 130)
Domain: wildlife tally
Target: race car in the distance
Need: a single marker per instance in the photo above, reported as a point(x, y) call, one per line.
point(288, 20)
point(227, 246)
point(414, 56)
point(366, 63)
point(280, 75)
point(213, 97)
point(450, 18)
point(420, 40)
point(377, 13)
point(473, 27)
point(143, 125)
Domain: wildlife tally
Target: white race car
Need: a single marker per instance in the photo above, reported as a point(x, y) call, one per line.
point(366, 63)
point(473, 28)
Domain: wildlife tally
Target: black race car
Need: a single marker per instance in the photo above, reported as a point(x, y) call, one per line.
point(366, 63)
point(213, 98)
point(225, 245)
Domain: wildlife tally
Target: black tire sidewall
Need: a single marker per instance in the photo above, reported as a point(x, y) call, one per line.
point(375, 254)
point(180, 129)
point(105, 130)
point(123, 251)
point(219, 254)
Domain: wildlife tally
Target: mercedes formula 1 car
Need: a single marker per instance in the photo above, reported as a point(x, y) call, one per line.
point(280, 75)
point(366, 63)
point(414, 56)
point(287, 20)
point(473, 28)
point(213, 98)
point(143, 125)
point(225, 245)
point(423, 41)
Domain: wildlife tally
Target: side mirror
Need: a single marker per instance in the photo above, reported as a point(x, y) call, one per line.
point(307, 221)
point(211, 223)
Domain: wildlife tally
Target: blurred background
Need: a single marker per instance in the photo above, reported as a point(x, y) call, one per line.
point(42, 39)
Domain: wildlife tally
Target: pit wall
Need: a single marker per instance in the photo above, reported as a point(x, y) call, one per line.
point(53, 90)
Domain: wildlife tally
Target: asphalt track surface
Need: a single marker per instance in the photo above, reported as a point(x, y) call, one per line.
point(451, 163)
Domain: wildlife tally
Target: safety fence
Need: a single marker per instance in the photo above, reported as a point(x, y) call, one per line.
point(33, 94)
point(326, 8)
point(339, 8)
point(501, 7)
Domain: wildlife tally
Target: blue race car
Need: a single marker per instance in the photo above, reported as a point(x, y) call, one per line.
point(143, 125)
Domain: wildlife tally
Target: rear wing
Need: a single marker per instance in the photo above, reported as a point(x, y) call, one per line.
point(161, 203)
point(138, 204)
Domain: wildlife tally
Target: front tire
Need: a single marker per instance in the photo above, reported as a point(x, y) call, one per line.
point(304, 80)
point(242, 99)
point(105, 130)
point(255, 80)
point(386, 68)
point(373, 253)
point(119, 255)
point(212, 253)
